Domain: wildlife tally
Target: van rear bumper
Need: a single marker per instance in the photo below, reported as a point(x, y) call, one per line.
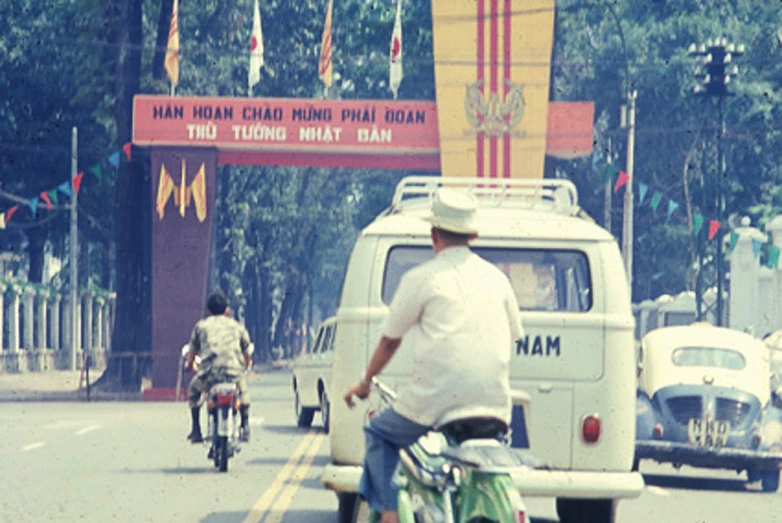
point(531, 483)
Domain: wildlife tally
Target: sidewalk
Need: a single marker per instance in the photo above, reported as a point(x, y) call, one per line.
point(52, 385)
point(63, 385)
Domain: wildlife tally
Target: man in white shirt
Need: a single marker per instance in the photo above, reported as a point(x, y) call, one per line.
point(461, 316)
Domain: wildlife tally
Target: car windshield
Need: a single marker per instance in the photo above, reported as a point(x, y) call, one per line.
point(543, 280)
point(708, 357)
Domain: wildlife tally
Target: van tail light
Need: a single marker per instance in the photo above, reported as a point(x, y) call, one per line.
point(522, 517)
point(590, 428)
point(657, 431)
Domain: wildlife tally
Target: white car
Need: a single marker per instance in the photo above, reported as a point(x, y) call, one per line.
point(312, 377)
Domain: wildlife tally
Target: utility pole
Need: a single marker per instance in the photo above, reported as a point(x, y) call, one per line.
point(715, 75)
point(627, 226)
point(608, 192)
point(74, 247)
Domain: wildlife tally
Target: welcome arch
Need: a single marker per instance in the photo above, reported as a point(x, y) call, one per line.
point(492, 119)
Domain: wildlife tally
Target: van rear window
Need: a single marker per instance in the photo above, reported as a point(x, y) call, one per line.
point(543, 279)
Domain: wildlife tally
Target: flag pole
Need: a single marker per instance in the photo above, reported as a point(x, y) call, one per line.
point(74, 247)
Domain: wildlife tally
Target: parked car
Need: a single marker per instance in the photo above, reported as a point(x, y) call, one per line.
point(312, 377)
point(705, 400)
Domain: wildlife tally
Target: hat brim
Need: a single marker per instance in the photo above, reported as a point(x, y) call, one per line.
point(450, 226)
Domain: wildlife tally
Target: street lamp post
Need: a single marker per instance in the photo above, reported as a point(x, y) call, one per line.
point(716, 75)
point(627, 225)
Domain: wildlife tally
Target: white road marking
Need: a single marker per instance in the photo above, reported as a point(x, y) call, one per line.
point(657, 491)
point(256, 422)
point(85, 430)
point(32, 446)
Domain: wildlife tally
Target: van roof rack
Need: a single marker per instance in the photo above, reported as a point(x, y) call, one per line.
point(558, 196)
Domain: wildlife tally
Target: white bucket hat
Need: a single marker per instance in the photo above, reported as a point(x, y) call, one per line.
point(453, 210)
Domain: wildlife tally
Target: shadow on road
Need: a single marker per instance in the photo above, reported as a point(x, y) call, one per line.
point(696, 483)
point(176, 471)
point(224, 517)
point(287, 429)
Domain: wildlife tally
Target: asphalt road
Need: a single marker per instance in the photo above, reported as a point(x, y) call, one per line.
point(130, 462)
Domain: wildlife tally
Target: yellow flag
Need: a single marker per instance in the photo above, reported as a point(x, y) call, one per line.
point(182, 191)
point(324, 65)
point(198, 188)
point(492, 63)
point(172, 50)
point(164, 189)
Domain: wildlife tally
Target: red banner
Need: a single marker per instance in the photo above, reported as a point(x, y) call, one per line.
point(338, 126)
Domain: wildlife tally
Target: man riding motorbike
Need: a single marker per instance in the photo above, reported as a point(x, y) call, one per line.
point(224, 347)
point(461, 316)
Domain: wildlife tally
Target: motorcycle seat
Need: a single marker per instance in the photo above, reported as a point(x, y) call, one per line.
point(461, 430)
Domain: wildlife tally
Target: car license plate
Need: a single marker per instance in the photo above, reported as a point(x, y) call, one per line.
point(708, 433)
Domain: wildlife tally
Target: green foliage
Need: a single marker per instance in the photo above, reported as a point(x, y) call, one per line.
point(283, 235)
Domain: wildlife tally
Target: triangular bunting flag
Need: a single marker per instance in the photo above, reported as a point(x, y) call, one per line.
point(597, 157)
point(32, 203)
point(623, 179)
point(714, 227)
point(65, 188)
point(672, 206)
point(10, 212)
point(734, 239)
point(642, 190)
point(756, 245)
point(773, 257)
point(77, 182)
point(53, 196)
point(126, 150)
point(114, 160)
point(657, 197)
point(697, 223)
point(95, 169)
point(45, 197)
point(609, 172)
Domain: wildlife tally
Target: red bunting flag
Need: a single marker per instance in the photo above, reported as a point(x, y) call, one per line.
point(10, 212)
point(45, 197)
point(77, 182)
point(126, 149)
point(714, 226)
point(623, 179)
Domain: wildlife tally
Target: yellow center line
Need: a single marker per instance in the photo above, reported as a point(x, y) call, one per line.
point(264, 502)
point(286, 496)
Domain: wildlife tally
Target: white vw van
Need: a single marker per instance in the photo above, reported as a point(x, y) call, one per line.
point(576, 361)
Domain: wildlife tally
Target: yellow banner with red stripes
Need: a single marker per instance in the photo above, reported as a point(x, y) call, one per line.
point(492, 69)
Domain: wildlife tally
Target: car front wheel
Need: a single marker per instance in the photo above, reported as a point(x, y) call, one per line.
point(769, 480)
point(304, 415)
point(325, 411)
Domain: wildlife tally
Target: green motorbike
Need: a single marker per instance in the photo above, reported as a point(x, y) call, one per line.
point(458, 473)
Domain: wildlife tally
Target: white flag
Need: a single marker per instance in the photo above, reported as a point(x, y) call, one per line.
point(395, 56)
point(256, 50)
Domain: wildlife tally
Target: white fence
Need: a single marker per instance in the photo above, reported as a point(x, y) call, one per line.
point(36, 328)
point(753, 303)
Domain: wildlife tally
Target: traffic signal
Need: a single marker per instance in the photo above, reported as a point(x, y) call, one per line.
point(716, 68)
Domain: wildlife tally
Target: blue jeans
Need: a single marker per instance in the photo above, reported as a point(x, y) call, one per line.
point(385, 435)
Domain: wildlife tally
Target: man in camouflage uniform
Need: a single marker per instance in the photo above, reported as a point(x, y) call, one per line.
point(224, 347)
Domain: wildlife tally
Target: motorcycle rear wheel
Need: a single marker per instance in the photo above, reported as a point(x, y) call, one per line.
point(221, 454)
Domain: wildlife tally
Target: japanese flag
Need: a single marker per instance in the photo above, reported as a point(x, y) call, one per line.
point(395, 56)
point(256, 49)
